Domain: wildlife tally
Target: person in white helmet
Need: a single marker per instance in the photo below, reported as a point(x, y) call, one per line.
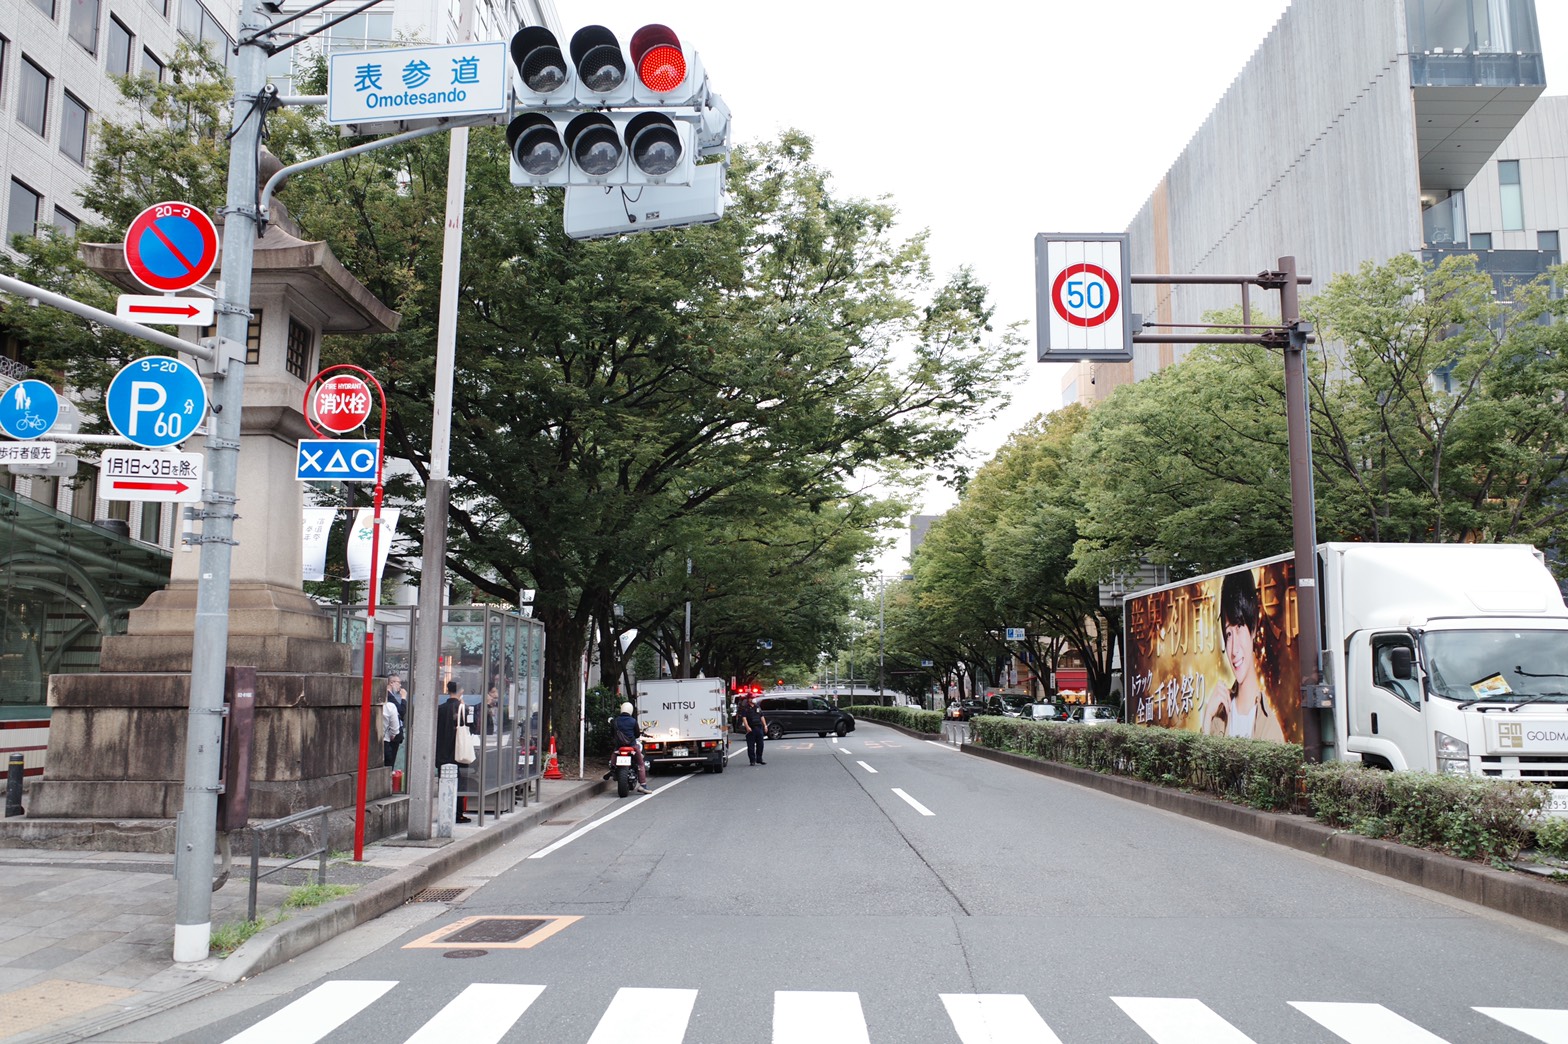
point(625, 732)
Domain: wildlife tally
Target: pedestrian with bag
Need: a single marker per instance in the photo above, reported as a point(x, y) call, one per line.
point(394, 720)
point(756, 728)
point(452, 713)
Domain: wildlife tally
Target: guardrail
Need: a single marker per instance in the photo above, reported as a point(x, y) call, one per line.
point(320, 852)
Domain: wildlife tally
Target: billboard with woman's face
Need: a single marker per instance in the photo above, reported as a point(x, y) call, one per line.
point(1218, 654)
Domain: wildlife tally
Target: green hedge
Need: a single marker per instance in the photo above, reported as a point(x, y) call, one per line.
point(909, 717)
point(1467, 816)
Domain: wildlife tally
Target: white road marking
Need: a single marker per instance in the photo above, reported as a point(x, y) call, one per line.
point(868, 768)
point(1180, 1020)
point(997, 1018)
point(1544, 1024)
point(647, 1016)
point(813, 1017)
point(481, 1014)
point(317, 1013)
point(1365, 1023)
point(597, 823)
point(917, 806)
point(941, 745)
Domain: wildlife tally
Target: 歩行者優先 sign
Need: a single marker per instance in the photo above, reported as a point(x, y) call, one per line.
point(417, 83)
point(40, 453)
point(1081, 298)
point(138, 475)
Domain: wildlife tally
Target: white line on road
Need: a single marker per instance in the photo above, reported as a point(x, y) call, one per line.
point(597, 823)
point(941, 744)
point(997, 1018)
point(316, 1014)
point(813, 1016)
point(1366, 1023)
point(481, 1014)
point(868, 768)
point(1541, 1023)
point(648, 1016)
point(1180, 1020)
point(917, 806)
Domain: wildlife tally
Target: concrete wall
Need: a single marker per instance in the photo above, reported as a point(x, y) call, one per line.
point(1540, 144)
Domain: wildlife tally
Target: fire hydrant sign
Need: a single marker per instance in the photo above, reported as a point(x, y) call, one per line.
point(137, 475)
point(341, 403)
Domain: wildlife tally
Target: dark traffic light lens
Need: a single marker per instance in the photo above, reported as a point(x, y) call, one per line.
point(535, 144)
point(597, 54)
point(539, 59)
point(654, 142)
point(594, 143)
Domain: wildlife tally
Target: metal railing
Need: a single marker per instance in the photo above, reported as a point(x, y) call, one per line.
point(320, 851)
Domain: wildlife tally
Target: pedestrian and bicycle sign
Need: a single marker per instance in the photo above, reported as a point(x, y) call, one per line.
point(156, 401)
point(337, 460)
point(140, 475)
point(1081, 298)
point(28, 409)
point(171, 246)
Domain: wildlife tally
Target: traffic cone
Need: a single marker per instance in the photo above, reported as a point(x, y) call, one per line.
point(552, 769)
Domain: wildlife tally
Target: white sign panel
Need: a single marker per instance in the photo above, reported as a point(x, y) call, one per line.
point(1015, 634)
point(173, 311)
point(318, 523)
point(1081, 284)
point(360, 536)
point(417, 83)
point(140, 475)
point(27, 452)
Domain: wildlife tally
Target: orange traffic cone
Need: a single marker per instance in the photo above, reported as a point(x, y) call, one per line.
point(552, 768)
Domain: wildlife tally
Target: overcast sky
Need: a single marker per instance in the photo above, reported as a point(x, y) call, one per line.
point(935, 106)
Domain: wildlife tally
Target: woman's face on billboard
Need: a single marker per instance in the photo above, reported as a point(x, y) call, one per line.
point(1238, 650)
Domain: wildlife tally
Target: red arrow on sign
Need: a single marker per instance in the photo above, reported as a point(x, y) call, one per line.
point(166, 487)
point(186, 310)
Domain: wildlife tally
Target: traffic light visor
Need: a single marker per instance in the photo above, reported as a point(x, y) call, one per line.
point(654, 142)
point(657, 54)
point(539, 60)
point(597, 55)
point(594, 143)
point(535, 144)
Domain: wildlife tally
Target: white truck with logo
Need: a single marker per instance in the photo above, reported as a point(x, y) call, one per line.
point(683, 722)
point(1439, 657)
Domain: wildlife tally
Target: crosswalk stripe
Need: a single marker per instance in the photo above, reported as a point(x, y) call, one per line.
point(481, 1014)
point(316, 1014)
point(648, 1016)
point(1180, 1020)
point(1365, 1023)
point(814, 1016)
point(1550, 1026)
point(997, 1018)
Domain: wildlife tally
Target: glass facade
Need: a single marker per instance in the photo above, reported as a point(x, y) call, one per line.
point(1474, 42)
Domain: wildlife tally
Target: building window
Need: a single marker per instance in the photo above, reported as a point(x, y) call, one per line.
point(1480, 241)
point(1512, 195)
point(299, 348)
point(119, 48)
point(65, 222)
point(33, 100)
point(152, 522)
point(1546, 241)
point(198, 24)
point(161, 6)
point(152, 68)
point(119, 510)
point(84, 24)
point(359, 32)
point(21, 217)
point(46, 6)
point(5, 51)
point(73, 129)
point(84, 500)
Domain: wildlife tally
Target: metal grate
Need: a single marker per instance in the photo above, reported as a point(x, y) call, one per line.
point(437, 895)
point(497, 930)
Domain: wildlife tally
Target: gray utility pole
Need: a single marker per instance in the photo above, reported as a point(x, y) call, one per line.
point(209, 654)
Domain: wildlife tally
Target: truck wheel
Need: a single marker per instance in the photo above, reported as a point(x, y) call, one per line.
point(841, 729)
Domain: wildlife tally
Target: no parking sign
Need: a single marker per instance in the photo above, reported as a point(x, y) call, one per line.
point(171, 246)
point(1081, 298)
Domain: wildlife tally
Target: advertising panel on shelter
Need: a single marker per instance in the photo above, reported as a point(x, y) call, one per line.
point(1218, 654)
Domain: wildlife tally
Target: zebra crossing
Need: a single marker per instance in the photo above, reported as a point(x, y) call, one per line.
point(485, 1012)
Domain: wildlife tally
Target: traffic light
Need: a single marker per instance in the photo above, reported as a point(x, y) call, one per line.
point(599, 75)
point(601, 147)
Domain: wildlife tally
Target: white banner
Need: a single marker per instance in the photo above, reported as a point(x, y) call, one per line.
point(359, 538)
point(318, 522)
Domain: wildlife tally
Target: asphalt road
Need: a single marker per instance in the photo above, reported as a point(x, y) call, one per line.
point(885, 889)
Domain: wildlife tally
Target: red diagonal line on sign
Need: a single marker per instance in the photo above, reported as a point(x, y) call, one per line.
point(152, 227)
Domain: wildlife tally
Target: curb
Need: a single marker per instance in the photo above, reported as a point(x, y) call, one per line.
point(1537, 901)
point(302, 933)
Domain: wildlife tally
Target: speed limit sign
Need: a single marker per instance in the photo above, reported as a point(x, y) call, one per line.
point(1082, 298)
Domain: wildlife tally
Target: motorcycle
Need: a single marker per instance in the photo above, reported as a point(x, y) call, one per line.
point(624, 765)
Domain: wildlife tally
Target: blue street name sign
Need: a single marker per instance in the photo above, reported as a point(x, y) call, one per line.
point(28, 409)
point(156, 401)
point(336, 460)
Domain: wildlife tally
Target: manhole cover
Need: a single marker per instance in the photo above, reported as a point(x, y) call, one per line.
point(460, 954)
point(496, 930)
point(437, 895)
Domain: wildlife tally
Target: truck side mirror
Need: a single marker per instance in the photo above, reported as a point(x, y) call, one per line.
point(1400, 662)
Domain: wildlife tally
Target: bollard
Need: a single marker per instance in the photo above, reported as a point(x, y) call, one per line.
point(13, 786)
point(446, 801)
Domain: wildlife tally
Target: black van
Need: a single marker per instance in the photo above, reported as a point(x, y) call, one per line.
point(803, 712)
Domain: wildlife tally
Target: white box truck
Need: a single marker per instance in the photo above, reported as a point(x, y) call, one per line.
point(1439, 657)
point(683, 722)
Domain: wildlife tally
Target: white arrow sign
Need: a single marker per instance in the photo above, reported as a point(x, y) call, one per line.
point(142, 475)
point(172, 311)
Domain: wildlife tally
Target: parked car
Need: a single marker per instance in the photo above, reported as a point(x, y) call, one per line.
point(963, 710)
point(1043, 712)
point(1093, 715)
point(803, 712)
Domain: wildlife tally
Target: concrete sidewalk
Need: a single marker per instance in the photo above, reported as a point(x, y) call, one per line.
point(86, 937)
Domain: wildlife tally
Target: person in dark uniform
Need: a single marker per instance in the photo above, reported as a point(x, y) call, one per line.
point(756, 727)
point(447, 717)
